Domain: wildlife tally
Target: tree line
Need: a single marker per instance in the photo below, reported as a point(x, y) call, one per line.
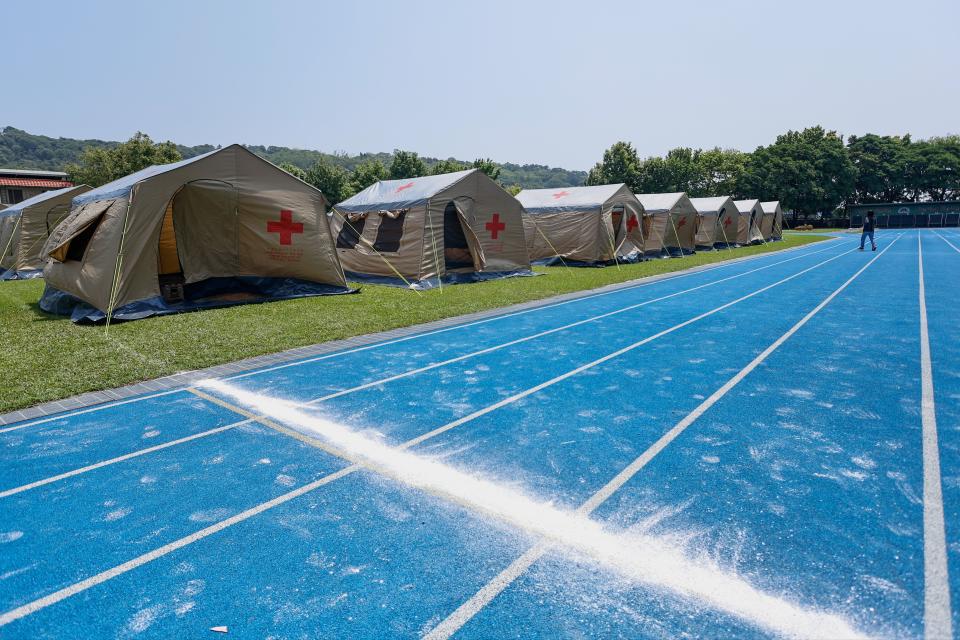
point(99, 165)
point(811, 171)
point(22, 150)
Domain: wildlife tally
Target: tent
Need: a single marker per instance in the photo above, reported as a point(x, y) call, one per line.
point(718, 222)
point(748, 230)
point(592, 225)
point(674, 218)
point(25, 227)
point(773, 209)
point(453, 227)
point(222, 228)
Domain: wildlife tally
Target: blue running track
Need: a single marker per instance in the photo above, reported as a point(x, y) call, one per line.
point(764, 448)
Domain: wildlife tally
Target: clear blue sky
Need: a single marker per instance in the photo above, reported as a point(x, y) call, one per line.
point(531, 82)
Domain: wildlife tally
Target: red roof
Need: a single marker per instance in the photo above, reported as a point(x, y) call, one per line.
point(34, 182)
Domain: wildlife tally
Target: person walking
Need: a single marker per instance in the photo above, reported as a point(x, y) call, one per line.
point(868, 226)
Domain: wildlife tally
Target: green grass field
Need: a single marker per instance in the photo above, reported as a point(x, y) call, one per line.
point(832, 229)
point(45, 357)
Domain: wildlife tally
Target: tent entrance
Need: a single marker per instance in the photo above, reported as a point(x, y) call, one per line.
point(199, 237)
point(457, 255)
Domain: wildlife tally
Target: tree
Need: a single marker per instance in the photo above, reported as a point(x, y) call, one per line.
point(406, 164)
point(809, 171)
point(294, 170)
point(331, 179)
point(488, 166)
point(881, 163)
point(447, 166)
point(100, 165)
point(364, 175)
point(513, 189)
point(620, 164)
point(938, 161)
point(718, 171)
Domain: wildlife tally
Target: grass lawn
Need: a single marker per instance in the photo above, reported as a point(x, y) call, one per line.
point(44, 357)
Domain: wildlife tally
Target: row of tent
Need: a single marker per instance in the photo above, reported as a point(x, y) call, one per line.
point(228, 227)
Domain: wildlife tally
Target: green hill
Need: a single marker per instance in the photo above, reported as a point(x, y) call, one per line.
point(22, 150)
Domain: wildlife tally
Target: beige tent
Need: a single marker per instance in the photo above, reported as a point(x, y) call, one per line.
point(678, 219)
point(454, 227)
point(751, 213)
point(718, 221)
point(25, 227)
point(592, 225)
point(773, 209)
point(226, 227)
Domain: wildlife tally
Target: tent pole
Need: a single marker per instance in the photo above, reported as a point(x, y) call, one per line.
point(436, 256)
point(16, 225)
point(115, 285)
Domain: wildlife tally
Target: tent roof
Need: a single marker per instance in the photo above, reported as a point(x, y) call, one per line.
point(658, 202)
point(746, 206)
point(568, 198)
point(389, 195)
point(709, 205)
point(122, 186)
point(770, 207)
point(15, 209)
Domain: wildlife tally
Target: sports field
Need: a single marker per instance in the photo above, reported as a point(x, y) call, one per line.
point(764, 448)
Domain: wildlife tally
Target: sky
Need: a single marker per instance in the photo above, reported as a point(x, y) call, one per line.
point(523, 81)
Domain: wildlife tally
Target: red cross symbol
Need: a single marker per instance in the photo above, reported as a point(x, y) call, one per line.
point(683, 221)
point(560, 194)
point(286, 227)
point(402, 187)
point(727, 222)
point(632, 223)
point(495, 226)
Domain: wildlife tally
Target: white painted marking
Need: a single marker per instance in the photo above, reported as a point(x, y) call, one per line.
point(382, 381)
point(945, 240)
point(937, 619)
point(79, 412)
point(127, 456)
point(104, 576)
point(452, 623)
point(721, 265)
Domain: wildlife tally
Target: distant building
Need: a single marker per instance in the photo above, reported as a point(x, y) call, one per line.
point(16, 185)
point(907, 214)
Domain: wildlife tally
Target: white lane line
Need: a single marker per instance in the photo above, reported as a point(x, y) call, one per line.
point(452, 623)
point(947, 241)
point(79, 412)
point(801, 250)
point(127, 456)
point(78, 587)
point(937, 619)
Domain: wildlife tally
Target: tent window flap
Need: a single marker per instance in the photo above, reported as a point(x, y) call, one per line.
point(350, 232)
point(390, 232)
point(73, 244)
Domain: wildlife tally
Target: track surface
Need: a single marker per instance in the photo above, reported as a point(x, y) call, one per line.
point(773, 422)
